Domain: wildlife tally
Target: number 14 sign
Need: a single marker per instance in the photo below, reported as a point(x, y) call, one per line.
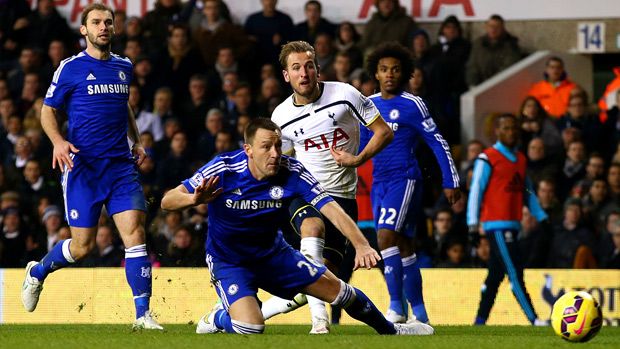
point(591, 37)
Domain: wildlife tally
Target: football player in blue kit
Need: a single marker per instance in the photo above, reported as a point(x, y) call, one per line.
point(248, 192)
point(98, 167)
point(397, 180)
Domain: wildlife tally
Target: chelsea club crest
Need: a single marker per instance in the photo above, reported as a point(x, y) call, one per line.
point(276, 192)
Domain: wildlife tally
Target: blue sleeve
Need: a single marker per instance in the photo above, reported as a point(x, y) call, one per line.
point(204, 172)
point(531, 201)
point(311, 191)
point(479, 182)
point(425, 125)
point(60, 88)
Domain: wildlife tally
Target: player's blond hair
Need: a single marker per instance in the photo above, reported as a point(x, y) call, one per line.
point(295, 47)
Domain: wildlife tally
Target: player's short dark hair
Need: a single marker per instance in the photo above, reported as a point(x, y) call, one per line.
point(258, 123)
point(496, 17)
point(503, 116)
point(96, 6)
point(313, 2)
point(295, 47)
point(393, 50)
point(554, 59)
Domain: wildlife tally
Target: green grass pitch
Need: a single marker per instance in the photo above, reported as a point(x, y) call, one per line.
point(279, 336)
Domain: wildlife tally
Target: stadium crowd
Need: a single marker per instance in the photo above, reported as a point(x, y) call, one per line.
point(199, 78)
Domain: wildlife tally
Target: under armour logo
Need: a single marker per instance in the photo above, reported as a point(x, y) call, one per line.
point(301, 130)
point(302, 213)
point(145, 272)
point(332, 116)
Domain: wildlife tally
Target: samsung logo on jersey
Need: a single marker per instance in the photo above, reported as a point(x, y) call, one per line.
point(107, 88)
point(252, 204)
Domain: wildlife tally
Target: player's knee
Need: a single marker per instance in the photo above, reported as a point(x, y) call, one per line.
point(248, 328)
point(79, 249)
point(313, 227)
point(387, 238)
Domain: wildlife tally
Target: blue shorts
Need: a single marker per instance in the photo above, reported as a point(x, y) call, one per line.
point(396, 205)
point(92, 183)
point(284, 274)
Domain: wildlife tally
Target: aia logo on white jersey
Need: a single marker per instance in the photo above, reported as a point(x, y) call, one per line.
point(322, 142)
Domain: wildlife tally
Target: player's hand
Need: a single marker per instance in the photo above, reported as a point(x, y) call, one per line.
point(366, 257)
point(139, 154)
point(61, 155)
point(452, 194)
point(343, 158)
point(207, 191)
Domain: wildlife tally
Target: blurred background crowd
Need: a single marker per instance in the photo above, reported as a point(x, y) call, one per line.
point(199, 78)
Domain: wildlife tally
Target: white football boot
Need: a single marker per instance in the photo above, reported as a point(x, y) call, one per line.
point(31, 289)
point(147, 322)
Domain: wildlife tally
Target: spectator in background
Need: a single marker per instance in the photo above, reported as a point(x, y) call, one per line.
point(539, 165)
point(571, 245)
point(224, 64)
point(13, 233)
point(389, 23)
point(120, 34)
point(482, 253)
point(536, 123)
point(214, 31)
point(554, 90)
point(420, 50)
point(183, 250)
point(174, 167)
point(348, 40)
point(45, 24)
point(534, 241)
point(493, 52)
point(157, 22)
point(162, 147)
point(31, 90)
point(106, 254)
point(545, 191)
point(165, 226)
point(12, 23)
point(324, 49)
point(344, 70)
point(595, 168)
point(314, 23)
point(611, 126)
point(447, 78)
point(29, 62)
point(417, 83)
point(270, 29)
point(225, 99)
point(35, 186)
point(608, 247)
point(243, 103)
point(224, 142)
point(214, 122)
point(453, 255)
point(613, 179)
point(578, 117)
point(474, 148)
point(442, 230)
point(21, 154)
point(145, 80)
point(270, 96)
point(52, 220)
point(179, 62)
point(195, 107)
point(242, 122)
point(133, 49)
point(573, 169)
point(597, 205)
point(56, 52)
point(147, 121)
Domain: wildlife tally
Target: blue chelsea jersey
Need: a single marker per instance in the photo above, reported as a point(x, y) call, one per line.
point(94, 95)
point(409, 118)
point(245, 220)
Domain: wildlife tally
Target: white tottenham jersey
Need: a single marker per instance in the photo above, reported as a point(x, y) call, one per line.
point(332, 120)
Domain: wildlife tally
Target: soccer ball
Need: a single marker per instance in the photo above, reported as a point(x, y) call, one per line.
point(576, 316)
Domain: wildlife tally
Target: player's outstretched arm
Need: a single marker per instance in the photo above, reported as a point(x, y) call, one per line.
point(62, 148)
point(365, 256)
point(382, 136)
point(180, 198)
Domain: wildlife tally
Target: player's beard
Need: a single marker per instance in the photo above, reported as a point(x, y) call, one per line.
point(103, 47)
